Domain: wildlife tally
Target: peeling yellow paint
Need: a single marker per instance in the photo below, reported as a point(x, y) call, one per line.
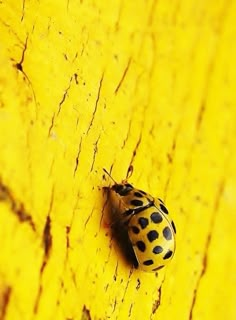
point(87, 85)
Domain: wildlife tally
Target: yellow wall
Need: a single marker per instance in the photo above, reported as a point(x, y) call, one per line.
point(92, 84)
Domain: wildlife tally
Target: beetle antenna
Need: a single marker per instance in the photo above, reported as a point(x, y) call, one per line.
point(109, 175)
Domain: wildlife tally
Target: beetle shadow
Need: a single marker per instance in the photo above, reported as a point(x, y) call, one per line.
point(119, 230)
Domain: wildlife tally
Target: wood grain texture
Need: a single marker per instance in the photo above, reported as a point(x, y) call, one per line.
point(90, 85)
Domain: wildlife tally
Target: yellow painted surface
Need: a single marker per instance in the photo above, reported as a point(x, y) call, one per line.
point(92, 84)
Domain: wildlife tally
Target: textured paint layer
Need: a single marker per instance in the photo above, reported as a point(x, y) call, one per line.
point(87, 85)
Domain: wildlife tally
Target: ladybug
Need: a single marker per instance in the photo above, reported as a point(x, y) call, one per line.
point(151, 230)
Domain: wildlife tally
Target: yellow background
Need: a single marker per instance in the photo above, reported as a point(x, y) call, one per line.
point(92, 84)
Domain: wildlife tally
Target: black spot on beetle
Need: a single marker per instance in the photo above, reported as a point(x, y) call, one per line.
point(148, 262)
point(157, 268)
point(138, 194)
point(141, 245)
point(167, 233)
point(143, 192)
point(135, 229)
point(143, 222)
point(136, 203)
point(156, 217)
point(168, 255)
point(163, 208)
point(157, 249)
point(152, 235)
point(173, 226)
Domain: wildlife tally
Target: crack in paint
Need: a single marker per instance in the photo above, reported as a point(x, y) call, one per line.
point(52, 125)
point(47, 244)
point(47, 238)
point(4, 301)
point(67, 237)
point(138, 284)
point(123, 76)
point(170, 157)
point(114, 307)
point(207, 245)
point(89, 217)
point(203, 271)
point(85, 314)
point(200, 116)
point(126, 288)
point(135, 150)
point(77, 157)
point(64, 96)
point(130, 310)
point(96, 103)
point(126, 138)
point(23, 11)
point(19, 66)
point(105, 205)
point(17, 207)
point(76, 78)
point(115, 273)
point(94, 153)
point(157, 302)
point(36, 305)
